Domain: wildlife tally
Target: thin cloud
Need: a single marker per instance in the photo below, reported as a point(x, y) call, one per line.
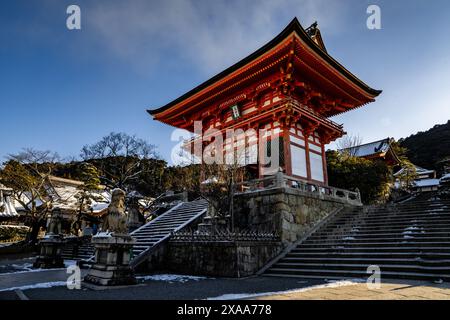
point(209, 34)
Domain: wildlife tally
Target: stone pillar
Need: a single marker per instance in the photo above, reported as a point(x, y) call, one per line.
point(50, 252)
point(279, 180)
point(112, 260)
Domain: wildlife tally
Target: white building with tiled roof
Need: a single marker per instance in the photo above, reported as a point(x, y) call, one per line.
point(7, 209)
point(380, 149)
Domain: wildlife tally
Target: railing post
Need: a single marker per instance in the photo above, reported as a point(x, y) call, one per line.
point(279, 180)
point(358, 194)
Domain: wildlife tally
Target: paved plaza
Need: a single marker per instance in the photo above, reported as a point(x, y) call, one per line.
point(19, 281)
point(389, 290)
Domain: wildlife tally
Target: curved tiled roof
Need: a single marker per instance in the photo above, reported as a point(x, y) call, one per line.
point(364, 150)
point(293, 26)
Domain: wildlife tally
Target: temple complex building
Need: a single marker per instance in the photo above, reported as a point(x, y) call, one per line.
point(7, 209)
point(376, 150)
point(290, 87)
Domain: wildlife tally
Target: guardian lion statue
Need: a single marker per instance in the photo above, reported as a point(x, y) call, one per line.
point(115, 220)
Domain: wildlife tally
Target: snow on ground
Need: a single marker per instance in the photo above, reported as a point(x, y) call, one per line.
point(37, 286)
point(28, 267)
point(171, 277)
point(68, 263)
point(23, 267)
point(331, 284)
point(28, 270)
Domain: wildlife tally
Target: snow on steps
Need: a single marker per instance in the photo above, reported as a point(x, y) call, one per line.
point(407, 241)
point(157, 232)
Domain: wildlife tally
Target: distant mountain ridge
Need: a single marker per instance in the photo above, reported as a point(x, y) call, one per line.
point(426, 149)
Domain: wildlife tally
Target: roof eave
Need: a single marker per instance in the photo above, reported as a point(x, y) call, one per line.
point(294, 25)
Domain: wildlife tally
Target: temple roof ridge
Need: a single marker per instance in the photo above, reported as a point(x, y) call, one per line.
point(314, 42)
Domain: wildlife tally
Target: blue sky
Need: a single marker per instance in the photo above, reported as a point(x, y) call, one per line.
point(61, 89)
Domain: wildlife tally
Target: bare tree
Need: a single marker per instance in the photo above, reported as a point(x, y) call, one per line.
point(348, 143)
point(219, 180)
point(120, 158)
point(27, 173)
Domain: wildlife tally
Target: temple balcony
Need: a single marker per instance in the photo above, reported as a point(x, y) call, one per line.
point(283, 181)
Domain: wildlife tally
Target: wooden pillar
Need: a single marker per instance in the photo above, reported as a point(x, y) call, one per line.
point(308, 163)
point(287, 150)
point(324, 164)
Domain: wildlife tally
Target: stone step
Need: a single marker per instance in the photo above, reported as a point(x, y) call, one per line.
point(402, 215)
point(442, 270)
point(405, 224)
point(385, 221)
point(368, 261)
point(409, 209)
point(153, 239)
point(155, 226)
point(148, 235)
point(413, 205)
point(381, 235)
point(398, 208)
point(158, 227)
point(384, 244)
point(170, 220)
point(173, 219)
point(353, 239)
point(351, 274)
point(393, 249)
point(439, 214)
point(394, 229)
point(391, 255)
point(152, 232)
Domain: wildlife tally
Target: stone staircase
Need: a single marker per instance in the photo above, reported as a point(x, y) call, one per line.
point(78, 250)
point(410, 240)
point(148, 237)
point(152, 235)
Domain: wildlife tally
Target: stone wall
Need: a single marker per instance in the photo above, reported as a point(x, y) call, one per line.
point(220, 258)
point(290, 212)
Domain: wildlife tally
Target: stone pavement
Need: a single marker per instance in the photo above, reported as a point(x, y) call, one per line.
point(389, 290)
point(32, 279)
point(46, 284)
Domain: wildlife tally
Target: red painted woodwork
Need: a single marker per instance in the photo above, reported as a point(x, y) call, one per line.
point(289, 81)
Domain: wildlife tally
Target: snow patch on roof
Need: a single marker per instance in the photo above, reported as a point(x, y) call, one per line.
point(426, 183)
point(380, 146)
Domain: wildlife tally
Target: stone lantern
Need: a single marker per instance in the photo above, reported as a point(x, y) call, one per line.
point(113, 247)
point(50, 255)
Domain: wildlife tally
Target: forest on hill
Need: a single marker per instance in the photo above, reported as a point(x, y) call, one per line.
point(428, 149)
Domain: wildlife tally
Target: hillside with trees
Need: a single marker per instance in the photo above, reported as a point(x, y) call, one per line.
point(427, 149)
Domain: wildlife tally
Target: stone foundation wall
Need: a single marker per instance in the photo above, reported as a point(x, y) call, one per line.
point(220, 258)
point(289, 212)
